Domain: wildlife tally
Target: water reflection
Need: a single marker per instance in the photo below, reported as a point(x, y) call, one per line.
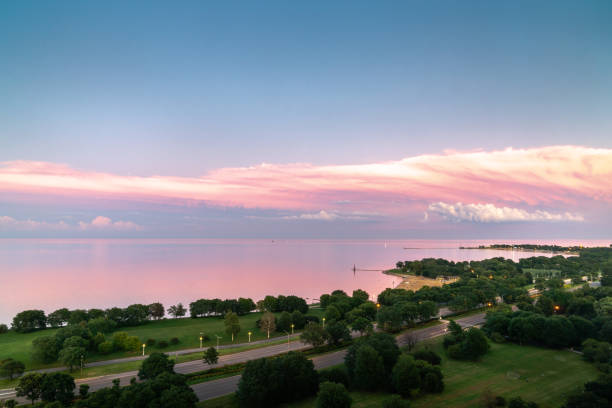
point(49, 274)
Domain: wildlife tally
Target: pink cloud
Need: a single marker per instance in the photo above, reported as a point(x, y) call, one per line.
point(105, 223)
point(553, 177)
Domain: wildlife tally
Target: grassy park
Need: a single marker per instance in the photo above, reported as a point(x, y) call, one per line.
point(535, 374)
point(18, 346)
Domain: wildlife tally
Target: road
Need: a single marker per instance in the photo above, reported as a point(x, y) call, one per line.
point(171, 353)
point(217, 388)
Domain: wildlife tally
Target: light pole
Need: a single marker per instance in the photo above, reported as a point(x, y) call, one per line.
point(292, 326)
point(201, 341)
point(143, 348)
point(323, 322)
point(217, 341)
point(288, 344)
point(250, 337)
point(81, 365)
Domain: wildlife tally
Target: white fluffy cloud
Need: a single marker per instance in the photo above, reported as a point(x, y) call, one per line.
point(489, 213)
point(105, 223)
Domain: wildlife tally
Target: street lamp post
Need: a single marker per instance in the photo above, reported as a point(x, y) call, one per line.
point(288, 343)
point(323, 322)
point(81, 365)
point(250, 336)
point(292, 326)
point(201, 338)
point(217, 340)
point(143, 348)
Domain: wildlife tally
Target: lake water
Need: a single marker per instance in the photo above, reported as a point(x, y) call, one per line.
point(100, 273)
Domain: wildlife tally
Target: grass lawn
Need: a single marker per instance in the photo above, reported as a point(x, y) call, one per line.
point(187, 330)
point(535, 374)
point(545, 273)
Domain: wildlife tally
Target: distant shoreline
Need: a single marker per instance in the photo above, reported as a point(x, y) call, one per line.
point(519, 249)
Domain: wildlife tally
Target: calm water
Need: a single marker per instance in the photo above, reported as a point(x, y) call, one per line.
point(49, 274)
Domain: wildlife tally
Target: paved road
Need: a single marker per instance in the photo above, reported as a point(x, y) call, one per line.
point(217, 388)
point(171, 353)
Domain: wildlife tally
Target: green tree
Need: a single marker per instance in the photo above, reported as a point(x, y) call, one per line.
point(211, 356)
point(298, 319)
point(369, 372)
point(177, 310)
point(29, 320)
point(431, 377)
point(156, 310)
point(475, 344)
point(284, 322)
point(11, 368)
point(3, 328)
point(267, 323)
point(77, 316)
point(232, 324)
point(101, 325)
point(333, 395)
point(386, 346)
point(29, 386)
point(337, 332)
point(362, 325)
point(154, 365)
point(57, 387)
point(360, 296)
point(11, 403)
point(405, 376)
point(45, 349)
point(332, 313)
point(603, 306)
point(390, 318)
point(59, 317)
point(72, 356)
point(258, 385)
point(314, 334)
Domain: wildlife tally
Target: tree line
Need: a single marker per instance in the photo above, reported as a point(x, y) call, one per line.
point(137, 314)
point(158, 386)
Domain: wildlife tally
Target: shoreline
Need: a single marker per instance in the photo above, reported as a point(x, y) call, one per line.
point(415, 282)
point(548, 251)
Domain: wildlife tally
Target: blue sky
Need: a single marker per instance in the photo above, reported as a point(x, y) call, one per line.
point(184, 88)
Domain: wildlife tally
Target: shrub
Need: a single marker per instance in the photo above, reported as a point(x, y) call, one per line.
point(150, 342)
point(395, 401)
point(336, 374)
point(162, 344)
point(498, 338)
point(427, 355)
point(405, 377)
point(333, 395)
point(132, 343)
point(105, 347)
point(3, 328)
point(500, 401)
point(174, 341)
point(119, 339)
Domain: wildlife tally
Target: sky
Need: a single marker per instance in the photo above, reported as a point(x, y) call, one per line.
point(390, 119)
